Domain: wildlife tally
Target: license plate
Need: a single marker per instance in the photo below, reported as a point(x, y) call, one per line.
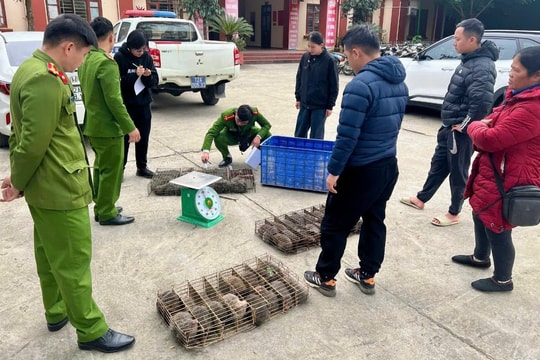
point(77, 94)
point(198, 82)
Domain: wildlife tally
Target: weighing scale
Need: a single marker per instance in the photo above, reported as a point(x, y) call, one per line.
point(201, 205)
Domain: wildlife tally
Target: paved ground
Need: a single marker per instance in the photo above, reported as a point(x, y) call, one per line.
point(424, 307)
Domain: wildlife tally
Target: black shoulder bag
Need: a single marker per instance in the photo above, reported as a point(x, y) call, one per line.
point(521, 204)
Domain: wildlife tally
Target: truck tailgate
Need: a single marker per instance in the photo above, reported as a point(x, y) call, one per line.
point(205, 58)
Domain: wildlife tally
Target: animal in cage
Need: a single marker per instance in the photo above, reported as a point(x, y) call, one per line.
point(238, 306)
point(184, 325)
point(259, 309)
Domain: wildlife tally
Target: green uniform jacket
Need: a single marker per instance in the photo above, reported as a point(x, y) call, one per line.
point(47, 155)
point(106, 114)
point(226, 121)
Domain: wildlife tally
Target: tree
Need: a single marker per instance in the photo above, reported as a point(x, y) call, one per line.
point(362, 9)
point(204, 9)
point(235, 29)
point(473, 8)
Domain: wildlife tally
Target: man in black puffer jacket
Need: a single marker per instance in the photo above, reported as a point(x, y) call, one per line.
point(469, 98)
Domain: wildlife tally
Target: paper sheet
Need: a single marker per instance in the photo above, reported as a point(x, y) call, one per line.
point(139, 86)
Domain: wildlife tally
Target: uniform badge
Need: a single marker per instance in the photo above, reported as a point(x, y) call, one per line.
point(54, 70)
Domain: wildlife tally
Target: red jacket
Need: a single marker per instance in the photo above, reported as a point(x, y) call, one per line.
point(513, 137)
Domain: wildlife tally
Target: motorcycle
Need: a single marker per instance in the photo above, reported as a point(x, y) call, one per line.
point(342, 63)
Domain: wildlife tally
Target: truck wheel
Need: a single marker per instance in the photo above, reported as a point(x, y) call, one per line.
point(208, 96)
point(4, 141)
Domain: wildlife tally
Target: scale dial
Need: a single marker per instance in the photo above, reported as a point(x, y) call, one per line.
point(207, 203)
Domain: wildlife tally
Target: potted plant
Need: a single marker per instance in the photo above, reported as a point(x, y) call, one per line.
point(235, 29)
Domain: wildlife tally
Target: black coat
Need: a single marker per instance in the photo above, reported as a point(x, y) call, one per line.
point(470, 92)
point(128, 76)
point(317, 81)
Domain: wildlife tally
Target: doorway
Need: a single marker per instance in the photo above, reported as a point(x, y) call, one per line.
point(266, 26)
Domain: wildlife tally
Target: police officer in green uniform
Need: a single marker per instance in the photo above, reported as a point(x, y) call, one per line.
point(48, 163)
point(236, 126)
point(106, 123)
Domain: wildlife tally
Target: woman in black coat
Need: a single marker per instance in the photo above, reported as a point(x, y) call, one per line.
point(135, 63)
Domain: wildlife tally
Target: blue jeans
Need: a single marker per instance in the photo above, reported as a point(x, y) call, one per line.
point(500, 245)
point(314, 118)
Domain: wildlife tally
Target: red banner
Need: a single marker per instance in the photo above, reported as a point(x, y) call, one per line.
point(293, 24)
point(231, 7)
point(331, 30)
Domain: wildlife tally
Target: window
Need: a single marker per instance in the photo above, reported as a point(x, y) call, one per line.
point(84, 8)
point(165, 5)
point(312, 23)
point(3, 22)
point(122, 33)
point(444, 50)
point(507, 48)
point(172, 31)
point(526, 43)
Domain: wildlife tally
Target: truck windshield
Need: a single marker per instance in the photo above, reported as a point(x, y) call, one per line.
point(170, 31)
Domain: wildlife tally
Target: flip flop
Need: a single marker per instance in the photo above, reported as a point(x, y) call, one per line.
point(443, 221)
point(407, 201)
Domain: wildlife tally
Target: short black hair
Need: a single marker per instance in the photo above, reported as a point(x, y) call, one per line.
point(136, 39)
point(529, 57)
point(69, 27)
point(102, 27)
point(472, 27)
point(244, 112)
point(362, 36)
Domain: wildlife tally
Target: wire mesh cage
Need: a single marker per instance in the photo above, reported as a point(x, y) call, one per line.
point(217, 306)
point(295, 231)
point(233, 181)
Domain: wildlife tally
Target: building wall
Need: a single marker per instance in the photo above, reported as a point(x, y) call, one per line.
point(16, 15)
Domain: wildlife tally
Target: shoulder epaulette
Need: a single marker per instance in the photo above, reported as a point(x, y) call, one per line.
point(54, 70)
point(228, 117)
point(110, 56)
point(254, 111)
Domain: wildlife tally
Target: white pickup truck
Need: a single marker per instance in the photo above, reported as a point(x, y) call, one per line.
point(183, 59)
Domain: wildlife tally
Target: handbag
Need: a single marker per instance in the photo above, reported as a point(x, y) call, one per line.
point(521, 204)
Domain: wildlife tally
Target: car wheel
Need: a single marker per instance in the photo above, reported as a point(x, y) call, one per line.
point(208, 96)
point(4, 141)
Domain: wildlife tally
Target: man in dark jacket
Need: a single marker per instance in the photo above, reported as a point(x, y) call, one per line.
point(317, 86)
point(469, 98)
point(137, 77)
point(363, 167)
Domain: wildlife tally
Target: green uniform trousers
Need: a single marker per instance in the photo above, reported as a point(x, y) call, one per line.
point(226, 138)
point(63, 250)
point(108, 169)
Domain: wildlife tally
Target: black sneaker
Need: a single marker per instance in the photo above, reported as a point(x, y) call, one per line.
point(327, 288)
point(365, 281)
point(225, 162)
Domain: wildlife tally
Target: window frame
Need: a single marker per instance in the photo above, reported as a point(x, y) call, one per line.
point(3, 18)
point(311, 10)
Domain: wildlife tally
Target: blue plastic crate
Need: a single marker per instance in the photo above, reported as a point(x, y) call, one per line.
point(295, 163)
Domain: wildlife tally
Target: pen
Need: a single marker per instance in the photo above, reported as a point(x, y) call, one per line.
point(135, 65)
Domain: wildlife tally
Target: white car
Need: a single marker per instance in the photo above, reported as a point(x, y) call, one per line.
point(15, 47)
point(429, 73)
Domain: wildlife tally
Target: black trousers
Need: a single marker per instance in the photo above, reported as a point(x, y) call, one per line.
point(142, 117)
point(361, 192)
point(499, 245)
point(450, 158)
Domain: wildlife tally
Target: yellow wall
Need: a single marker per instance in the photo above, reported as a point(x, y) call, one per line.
point(15, 15)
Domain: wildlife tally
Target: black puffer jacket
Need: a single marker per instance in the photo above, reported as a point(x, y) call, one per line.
point(128, 76)
point(317, 81)
point(470, 92)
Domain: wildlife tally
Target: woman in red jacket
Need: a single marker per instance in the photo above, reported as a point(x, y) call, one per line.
point(511, 134)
